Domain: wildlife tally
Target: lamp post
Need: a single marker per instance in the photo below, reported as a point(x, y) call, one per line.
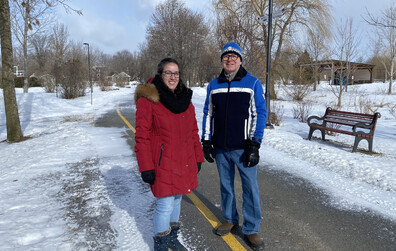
point(267, 73)
point(89, 70)
point(268, 19)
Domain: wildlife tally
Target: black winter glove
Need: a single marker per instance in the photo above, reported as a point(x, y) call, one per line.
point(199, 164)
point(251, 155)
point(208, 150)
point(148, 176)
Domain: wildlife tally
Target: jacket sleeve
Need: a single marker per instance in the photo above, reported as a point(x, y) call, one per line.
point(142, 136)
point(260, 110)
point(207, 115)
point(197, 143)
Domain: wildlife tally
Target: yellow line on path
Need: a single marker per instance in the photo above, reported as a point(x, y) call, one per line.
point(230, 239)
point(126, 121)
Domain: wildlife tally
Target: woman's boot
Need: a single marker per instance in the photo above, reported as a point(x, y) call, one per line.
point(175, 244)
point(162, 241)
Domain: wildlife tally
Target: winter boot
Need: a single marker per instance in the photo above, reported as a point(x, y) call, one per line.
point(256, 243)
point(224, 228)
point(175, 244)
point(162, 241)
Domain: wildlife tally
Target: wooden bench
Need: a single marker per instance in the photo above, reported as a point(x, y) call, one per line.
point(360, 125)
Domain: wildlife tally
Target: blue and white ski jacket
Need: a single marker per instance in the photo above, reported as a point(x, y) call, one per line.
point(234, 111)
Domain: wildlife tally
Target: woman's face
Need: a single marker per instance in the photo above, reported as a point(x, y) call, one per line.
point(170, 75)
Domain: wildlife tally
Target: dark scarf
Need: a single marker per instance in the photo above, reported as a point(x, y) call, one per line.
point(177, 101)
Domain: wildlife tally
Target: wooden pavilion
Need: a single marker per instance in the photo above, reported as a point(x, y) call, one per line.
point(331, 70)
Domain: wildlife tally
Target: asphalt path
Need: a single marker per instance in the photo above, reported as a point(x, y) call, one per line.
point(295, 214)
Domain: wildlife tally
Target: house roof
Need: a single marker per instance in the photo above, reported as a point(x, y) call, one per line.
point(121, 74)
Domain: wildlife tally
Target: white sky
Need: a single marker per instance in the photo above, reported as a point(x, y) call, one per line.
point(47, 173)
point(114, 25)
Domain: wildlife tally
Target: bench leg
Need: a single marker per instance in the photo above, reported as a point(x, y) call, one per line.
point(370, 143)
point(355, 145)
point(311, 130)
point(358, 139)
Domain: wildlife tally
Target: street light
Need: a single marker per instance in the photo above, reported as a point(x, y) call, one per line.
point(89, 70)
point(268, 69)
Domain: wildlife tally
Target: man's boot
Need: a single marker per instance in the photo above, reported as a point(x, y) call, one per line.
point(255, 241)
point(175, 244)
point(224, 228)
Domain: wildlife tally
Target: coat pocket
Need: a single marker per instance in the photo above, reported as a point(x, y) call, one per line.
point(160, 157)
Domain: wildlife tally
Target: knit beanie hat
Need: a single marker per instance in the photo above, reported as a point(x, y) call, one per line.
point(231, 48)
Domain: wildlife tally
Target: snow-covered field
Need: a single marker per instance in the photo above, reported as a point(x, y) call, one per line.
point(72, 182)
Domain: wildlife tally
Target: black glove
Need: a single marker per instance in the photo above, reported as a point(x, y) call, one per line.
point(199, 164)
point(208, 150)
point(251, 155)
point(148, 176)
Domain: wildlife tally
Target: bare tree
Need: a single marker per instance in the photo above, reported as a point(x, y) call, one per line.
point(317, 48)
point(239, 18)
point(40, 51)
point(14, 131)
point(387, 20)
point(176, 31)
point(386, 34)
point(123, 61)
point(28, 18)
point(346, 45)
point(59, 44)
point(27, 14)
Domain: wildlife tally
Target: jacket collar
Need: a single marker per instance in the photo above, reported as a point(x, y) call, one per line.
point(148, 91)
point(238, 77)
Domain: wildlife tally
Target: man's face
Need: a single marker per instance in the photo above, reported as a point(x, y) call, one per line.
point(231, 63)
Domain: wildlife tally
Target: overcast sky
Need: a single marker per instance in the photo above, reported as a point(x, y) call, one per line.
point(114, 25)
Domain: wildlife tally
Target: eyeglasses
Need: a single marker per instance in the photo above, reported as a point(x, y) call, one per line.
point(168, 74)
point(232, 57)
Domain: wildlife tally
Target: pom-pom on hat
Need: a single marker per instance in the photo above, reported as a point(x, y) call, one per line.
point(231, 48)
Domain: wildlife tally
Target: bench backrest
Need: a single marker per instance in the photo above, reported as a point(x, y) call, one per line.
point(350, 118)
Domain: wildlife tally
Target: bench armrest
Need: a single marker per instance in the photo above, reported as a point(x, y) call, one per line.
point(362, 125)
point(314, 118)
point(365, 126)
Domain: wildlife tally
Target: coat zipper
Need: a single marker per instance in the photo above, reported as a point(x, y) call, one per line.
point(226, 111)
point(160, 157)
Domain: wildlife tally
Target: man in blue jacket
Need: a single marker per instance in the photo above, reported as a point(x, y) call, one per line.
point(233, 127)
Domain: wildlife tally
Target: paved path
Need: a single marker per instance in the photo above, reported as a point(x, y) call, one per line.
point(295, 214)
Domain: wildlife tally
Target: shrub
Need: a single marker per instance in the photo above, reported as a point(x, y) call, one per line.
point(72, 83)
point(48, 82)
point(277, 112)
point(297, 92)
point(301, 111)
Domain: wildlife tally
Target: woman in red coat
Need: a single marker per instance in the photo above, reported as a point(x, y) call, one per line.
point(168, 149)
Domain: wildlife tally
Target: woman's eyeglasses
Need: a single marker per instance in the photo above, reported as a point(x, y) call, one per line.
point(168, 74)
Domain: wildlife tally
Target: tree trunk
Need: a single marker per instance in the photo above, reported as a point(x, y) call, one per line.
point(14, 131)
point(25, 38)
point(391, 77)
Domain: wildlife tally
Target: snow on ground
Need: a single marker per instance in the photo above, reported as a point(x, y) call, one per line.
point(72, 181)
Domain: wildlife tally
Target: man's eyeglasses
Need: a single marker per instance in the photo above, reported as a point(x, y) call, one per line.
point(168, 74)
point(232, 57)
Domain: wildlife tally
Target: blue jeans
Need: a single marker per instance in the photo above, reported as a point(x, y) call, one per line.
point(226, 161)
point(166, 211)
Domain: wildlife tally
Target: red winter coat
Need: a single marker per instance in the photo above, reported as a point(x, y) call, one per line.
point(167, 143)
